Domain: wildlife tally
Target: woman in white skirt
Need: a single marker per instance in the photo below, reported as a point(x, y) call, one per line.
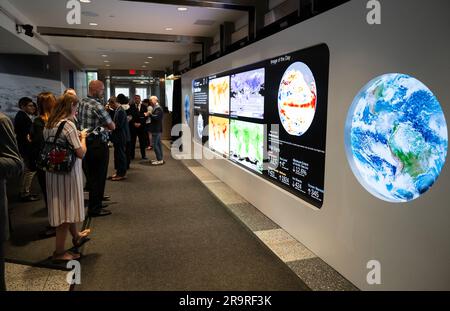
point(65, 191)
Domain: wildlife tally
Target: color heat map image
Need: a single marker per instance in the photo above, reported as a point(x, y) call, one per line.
point(247, 144)
point(247, 94)
point(297, 97)
point(219, 134)
point(219, 95)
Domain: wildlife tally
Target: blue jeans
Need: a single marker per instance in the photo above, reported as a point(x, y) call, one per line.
point(156, 137)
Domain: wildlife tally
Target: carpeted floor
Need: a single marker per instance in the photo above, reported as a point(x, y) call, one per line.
point(167, 232)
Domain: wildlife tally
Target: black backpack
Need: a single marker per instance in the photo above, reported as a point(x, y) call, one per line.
point(56, 157)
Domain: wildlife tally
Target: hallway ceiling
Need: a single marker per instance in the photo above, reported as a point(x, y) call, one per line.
point(127, 16)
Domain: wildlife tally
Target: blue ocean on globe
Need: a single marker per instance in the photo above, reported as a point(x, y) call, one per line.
point(396, 137)
point(187, 109)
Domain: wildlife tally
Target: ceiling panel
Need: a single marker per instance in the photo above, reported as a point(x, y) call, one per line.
point(122, 54)
point(115, 15)
point(125, 16)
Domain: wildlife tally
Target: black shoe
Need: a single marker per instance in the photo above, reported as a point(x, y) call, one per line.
point(104, 206)
point(30, 198)
point(106, 198)
point(100, 213)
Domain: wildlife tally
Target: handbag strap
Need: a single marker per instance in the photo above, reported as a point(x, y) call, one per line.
point(59, 131)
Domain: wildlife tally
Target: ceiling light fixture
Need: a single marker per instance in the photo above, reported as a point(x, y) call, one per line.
point(169, 28)
point(85, 1)
point(144, 66)
point(106, 61)
point(93, 24)
point(147, 62)
point(182, 9)
point(104, 55)
point(150, 57)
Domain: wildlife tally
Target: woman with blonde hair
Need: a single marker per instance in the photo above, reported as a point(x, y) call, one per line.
point(65, 190)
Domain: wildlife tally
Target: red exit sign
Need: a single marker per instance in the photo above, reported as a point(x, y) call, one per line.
point(132, 72)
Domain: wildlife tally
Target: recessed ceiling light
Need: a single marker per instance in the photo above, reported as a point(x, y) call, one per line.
point(108, 65)
point(144, 66)
point(85, 1)
point(106, 61)
point(147, 62)
point(182, 9)
point(150, 57)
point(169, 28)
point(104, 55)
point(93, 24)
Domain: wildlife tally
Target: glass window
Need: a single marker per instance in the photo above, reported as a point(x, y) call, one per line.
point(122, 90)
point(141, 91)
point(91, 75)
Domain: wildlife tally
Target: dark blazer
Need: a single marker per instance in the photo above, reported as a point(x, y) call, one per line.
point(122, 132)
point(22, 126)
point(157, 120)
point(37, 140)
point(138, 116)
point(11, 165)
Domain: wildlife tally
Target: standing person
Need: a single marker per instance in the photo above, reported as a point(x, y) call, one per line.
point(119, 137)
point(22, 125)
point(65, 190)
point(147, 125)
point(156, 129)
point(124, 102)
point(93, 117)
point(11, 165)
point(46, 102)
point(138, 112)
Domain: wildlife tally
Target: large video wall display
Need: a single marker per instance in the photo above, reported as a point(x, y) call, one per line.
point(274, 113)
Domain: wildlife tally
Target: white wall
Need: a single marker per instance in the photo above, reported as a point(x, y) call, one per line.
point(410, 240)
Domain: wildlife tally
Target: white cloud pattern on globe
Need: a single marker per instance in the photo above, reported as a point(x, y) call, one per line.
point(396, 137)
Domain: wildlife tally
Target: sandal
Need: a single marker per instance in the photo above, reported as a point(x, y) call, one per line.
point(82, 238)
point(119, 178)
point(65, 257)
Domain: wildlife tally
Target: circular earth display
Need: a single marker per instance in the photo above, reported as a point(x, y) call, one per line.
point(396, 137)
point(187, 109)
point(297, 96)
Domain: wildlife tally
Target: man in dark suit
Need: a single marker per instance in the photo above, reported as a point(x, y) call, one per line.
point(138, 126)
point(22, 125)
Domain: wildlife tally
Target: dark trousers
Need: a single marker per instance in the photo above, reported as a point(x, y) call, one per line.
point(128, 153)
point(156, 137)
point(120, 158)
point(97, 160)
point(2, 265)
point(42, 183)
point(140, 133)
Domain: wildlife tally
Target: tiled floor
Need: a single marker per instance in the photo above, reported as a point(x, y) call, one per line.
point(26, 278)
point(316, 274)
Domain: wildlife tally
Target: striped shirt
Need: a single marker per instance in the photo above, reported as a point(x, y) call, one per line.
point(93, 116)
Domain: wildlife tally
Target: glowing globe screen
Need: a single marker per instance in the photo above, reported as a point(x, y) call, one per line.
point(396, 137)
